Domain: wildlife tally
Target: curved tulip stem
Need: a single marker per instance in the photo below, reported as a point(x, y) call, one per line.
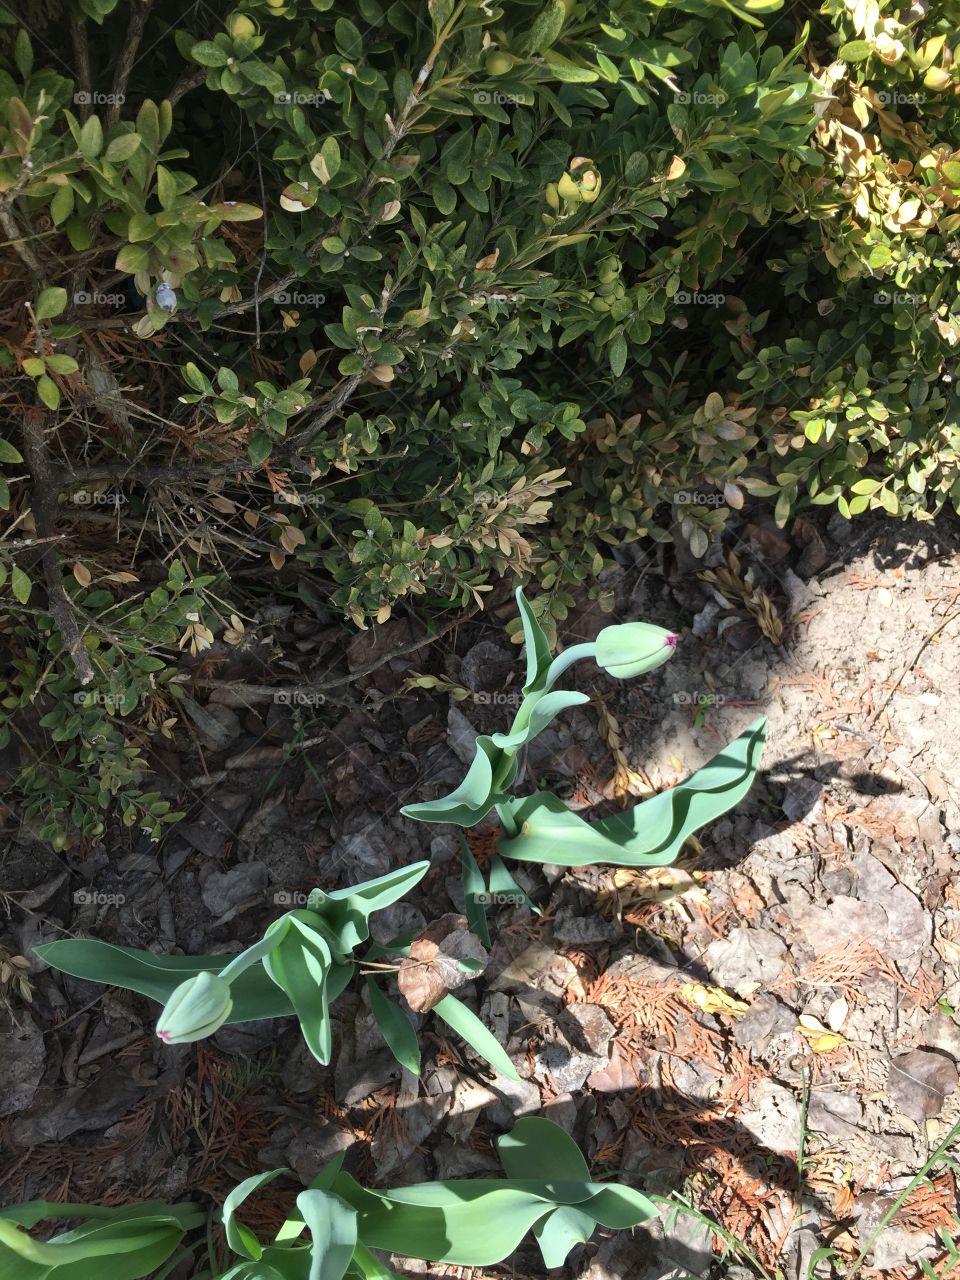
point(567, 659)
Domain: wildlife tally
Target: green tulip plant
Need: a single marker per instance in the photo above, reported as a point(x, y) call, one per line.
point(540, 828)
point(301, 964)
point(436, 1221)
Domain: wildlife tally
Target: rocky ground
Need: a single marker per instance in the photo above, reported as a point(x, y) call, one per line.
point(767, 1032)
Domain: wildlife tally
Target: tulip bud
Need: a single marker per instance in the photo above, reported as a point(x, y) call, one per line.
point(632, 648)
point(552, 196)
point(195, 1009)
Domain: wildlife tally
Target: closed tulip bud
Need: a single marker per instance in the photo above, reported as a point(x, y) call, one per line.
point(632, 648)
point(552, 196)
point(196, 1009)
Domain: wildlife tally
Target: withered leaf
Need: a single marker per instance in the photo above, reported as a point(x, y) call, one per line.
point(433, 968)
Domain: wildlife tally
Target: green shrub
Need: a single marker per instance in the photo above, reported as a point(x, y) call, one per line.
point(532, 279)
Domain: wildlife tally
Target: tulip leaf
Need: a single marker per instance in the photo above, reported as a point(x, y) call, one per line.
point(240, 1238)
point(333, 1232)
point(558, 1232)
point(650, 834)
point(347, 911)
point(395, 1027)
point(501, 881)
point(254, 995)
point(536, 642)
point(535, 1144)
point(128, 1249)
point(300, 965)
point(466, 1023)
point(473, 888)
point(475, 796)
point(539, 715)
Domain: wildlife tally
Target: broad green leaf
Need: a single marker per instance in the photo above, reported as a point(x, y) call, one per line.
point(560, 1231)
point(50, 303)
point(333, 1233)
point(240, 1238)
point(856, 50)
point(395, 1027)
point(650, 834)
point(473, 799)
point(8, 453)
point(122, 148)
point(20, 584)
point(300, 965)
point(49, 392)
point(91, 138)
point(209, 54)
point(254, 995)
point(535, 1144)
point(466, 1024)
point(127, 1250)
point(347, 911)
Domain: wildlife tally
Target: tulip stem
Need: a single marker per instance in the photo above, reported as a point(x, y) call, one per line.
point(567, 659)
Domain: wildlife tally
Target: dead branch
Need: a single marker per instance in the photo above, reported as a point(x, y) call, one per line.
point(128, 56)
point(81, 53)
point(45, 511)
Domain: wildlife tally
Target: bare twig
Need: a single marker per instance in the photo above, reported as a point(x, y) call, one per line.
point(872, 719)
point(266, 693)
point(19, 244)
point(189, 80)
point(45, 489)
point(81, 54)
point(128, 56)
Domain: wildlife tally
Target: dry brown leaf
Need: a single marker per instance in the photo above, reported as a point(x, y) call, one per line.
point(433, 968)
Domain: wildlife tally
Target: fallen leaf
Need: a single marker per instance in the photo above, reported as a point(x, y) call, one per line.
point(434, 969)
point(819, 1037)
point(713, 1000)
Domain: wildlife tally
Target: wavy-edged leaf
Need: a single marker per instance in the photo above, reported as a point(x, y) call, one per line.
point(539, 716)
point(650, 834)
point(347, 911)
point(126, 1250)
point(474, 798)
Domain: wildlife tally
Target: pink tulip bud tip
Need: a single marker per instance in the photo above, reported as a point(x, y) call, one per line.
point(164, 1036)
point(671, 641)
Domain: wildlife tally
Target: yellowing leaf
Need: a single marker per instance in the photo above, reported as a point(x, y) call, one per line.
point(713, 1000)
point(819, 1038)
point(82, 574)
